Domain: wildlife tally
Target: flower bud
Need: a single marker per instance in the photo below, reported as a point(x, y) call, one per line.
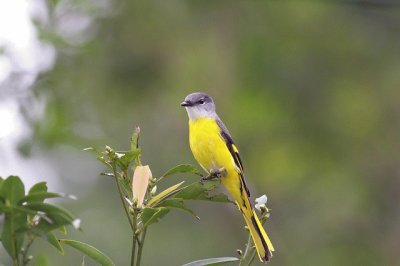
point(261, 203)
point(140, 182)
point(153, 191)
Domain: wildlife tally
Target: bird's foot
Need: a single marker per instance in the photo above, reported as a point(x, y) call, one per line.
point(215, 174)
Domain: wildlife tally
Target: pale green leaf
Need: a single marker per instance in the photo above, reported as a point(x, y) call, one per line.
point(90, 251)
point(51, 238)
point(135, 139)
point(212, 261)
point(164, 194)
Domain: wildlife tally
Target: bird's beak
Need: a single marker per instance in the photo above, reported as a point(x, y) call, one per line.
point(186, 103)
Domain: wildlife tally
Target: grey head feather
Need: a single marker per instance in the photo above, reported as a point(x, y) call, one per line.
point(199, 105)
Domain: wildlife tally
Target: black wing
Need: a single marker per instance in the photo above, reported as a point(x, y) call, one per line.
point(234, 152)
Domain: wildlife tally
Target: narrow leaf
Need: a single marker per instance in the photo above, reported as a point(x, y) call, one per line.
point(38, 197)
point(12, 236)
point(212, 261)
point(135, 139)
point(90, 251)
point(164, 194)
point(182, 168)
point(63, 230)
point(51, 238)
point(153, 215)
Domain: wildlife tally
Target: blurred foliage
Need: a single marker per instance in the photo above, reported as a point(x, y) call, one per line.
point(309, 91)
point(28, 218)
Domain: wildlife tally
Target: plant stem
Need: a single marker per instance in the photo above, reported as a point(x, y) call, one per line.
point(141, 243)
point(25, 260)
point(133, 249)
point(122, 200)
point(246, 258)
point(252, 258)
point(134, 237)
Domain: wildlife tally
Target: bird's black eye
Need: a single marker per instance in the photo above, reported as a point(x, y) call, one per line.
point(201, 101)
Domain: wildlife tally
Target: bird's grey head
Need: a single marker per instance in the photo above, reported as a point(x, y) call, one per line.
point(199, 105)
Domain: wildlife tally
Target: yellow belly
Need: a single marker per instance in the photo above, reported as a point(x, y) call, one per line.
point(208, 146)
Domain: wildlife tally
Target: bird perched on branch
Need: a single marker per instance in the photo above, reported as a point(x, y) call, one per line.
point(214, 149)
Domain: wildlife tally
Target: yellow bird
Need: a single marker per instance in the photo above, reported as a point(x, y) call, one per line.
point(213, 148)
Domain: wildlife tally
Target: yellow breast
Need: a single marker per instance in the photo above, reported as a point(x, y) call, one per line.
point(208, 146)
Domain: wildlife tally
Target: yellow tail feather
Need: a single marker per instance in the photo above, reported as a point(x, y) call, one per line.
point(261, 240)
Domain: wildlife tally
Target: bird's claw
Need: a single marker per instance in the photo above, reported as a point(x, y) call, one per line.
point(214, 174)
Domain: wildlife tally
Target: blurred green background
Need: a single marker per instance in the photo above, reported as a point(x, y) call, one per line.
point(308, 89)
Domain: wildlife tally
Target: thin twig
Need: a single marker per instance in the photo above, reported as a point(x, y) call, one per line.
point(25, 259)
point(133, 249)
point(122, 199)
point(248, 249)
point(141, 243)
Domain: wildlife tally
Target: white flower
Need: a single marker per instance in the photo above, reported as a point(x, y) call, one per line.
point(261, 202)
point(76, 223)
point(119, 155)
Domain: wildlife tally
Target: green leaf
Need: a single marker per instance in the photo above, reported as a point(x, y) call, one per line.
point(63, 230)
point(135, 139)
point(201, 191)
point(12, 236)
point(38, 197)
point(41, 261)
point(12, 189)
point(182, 168)
point(212, 261)
point(153, 215)
point(164, 194)
point(38, 188)
point(178, 204)
point(126, 158)
point(90, 251)
point(58, 216)
point(51, 238)
point(93, 150)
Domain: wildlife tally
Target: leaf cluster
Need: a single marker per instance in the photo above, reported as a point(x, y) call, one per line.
point(28, 217)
